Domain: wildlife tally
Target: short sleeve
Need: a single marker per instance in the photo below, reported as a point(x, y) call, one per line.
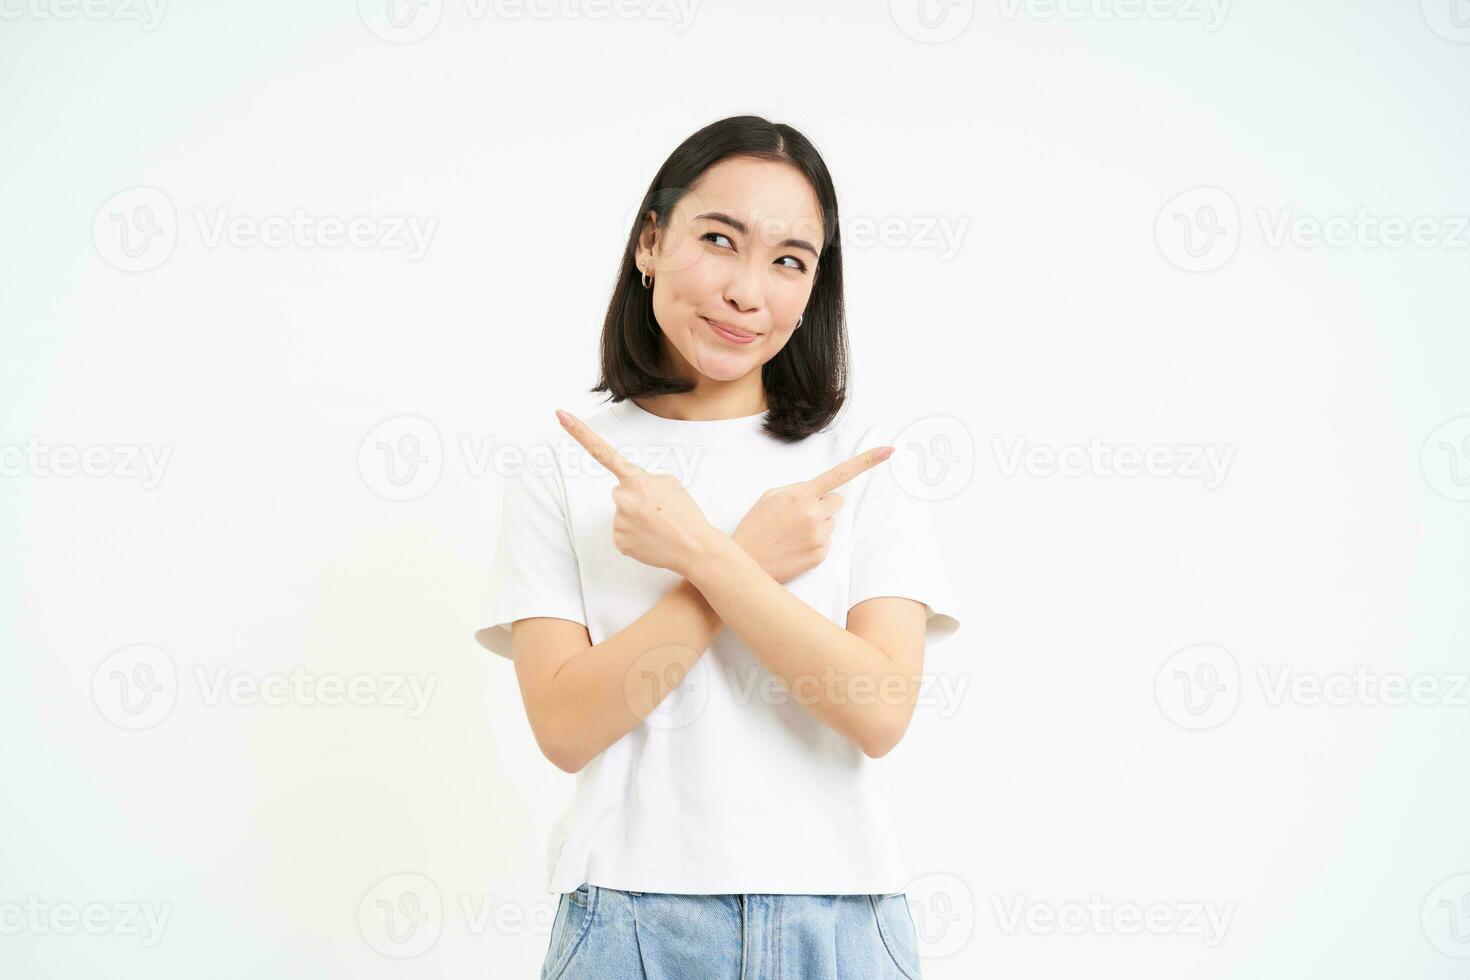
point(896, 550)
point(534, 571)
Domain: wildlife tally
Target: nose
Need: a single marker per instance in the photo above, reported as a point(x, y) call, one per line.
point(744, 289)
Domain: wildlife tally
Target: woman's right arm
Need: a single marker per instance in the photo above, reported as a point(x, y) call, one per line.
point(581, 698)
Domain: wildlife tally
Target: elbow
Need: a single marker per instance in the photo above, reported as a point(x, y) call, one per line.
point(882, 732)
point(877, 749)
point(571, 765)
point(564, 757)
point(880, 739)
point(559, 750)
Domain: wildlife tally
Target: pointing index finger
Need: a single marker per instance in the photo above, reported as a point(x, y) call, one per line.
point(597, 447)
point(842, 472)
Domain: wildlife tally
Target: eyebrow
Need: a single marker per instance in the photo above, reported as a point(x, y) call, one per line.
point(740, 227)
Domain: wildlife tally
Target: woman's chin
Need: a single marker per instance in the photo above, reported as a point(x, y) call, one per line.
point(724, 364)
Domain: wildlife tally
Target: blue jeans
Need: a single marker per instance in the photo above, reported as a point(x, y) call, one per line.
point(607, 934)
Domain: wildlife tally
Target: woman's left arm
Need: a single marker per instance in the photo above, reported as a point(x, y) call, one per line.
point(862, 681)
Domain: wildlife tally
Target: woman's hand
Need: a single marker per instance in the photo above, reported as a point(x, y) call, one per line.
point(789, 529)
point(656, 520)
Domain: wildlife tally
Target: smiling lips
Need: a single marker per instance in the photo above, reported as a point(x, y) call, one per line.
point(733, 334)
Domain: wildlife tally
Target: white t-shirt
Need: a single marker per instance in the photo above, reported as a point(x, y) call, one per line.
point(731, 785)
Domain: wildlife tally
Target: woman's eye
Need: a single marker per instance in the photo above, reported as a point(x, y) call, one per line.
point(800, 266)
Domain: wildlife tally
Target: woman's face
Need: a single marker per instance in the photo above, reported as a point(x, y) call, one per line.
point(741, 249)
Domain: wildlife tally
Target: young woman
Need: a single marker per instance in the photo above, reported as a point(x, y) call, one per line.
point(719, 648)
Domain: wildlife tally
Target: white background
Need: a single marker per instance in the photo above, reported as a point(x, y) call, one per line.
point(262, 832)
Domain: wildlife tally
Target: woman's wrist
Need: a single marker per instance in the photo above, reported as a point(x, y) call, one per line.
point(711, 547)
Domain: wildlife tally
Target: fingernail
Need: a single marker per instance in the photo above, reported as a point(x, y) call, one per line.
point(563, 417)
point(885, 452)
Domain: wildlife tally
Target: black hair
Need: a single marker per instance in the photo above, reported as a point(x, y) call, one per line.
point(806, 383)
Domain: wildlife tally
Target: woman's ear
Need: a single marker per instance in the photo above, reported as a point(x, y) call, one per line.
point(647, 241)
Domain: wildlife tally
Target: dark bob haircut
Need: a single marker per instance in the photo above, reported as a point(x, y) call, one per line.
point(806, 383)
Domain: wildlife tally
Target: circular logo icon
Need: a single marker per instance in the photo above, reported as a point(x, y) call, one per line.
point(400, 21)
point(943, 910)
point(135, 687)
point(932, 21)
point(1445, 916)
point(402, 458)
point(401, 916)
point(1198, 687)
point(1450, 19)
point(1199, 229)
point(135, 230)
point(684, 703)
point(681, 205)
point(1445, 459)
point(933, 457)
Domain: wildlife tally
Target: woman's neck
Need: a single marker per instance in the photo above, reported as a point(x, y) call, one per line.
point(695, 406)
